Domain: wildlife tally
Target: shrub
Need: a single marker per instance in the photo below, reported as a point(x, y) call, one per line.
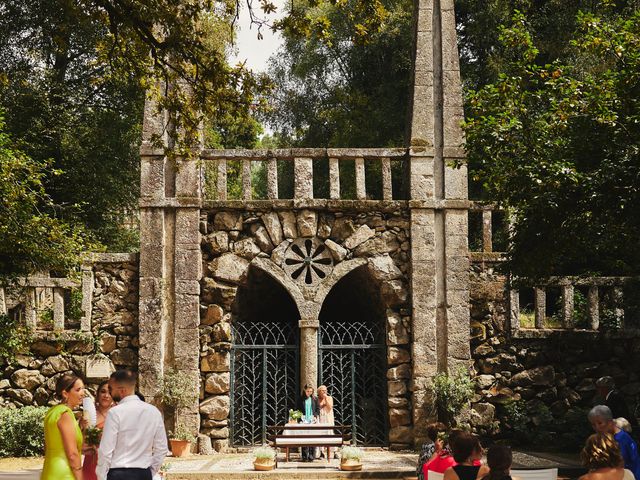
point(22, 431)
point(351, 453)
point(182, 433)
point(14, 337)
point(531, 423)
point(453, 393)
point(264, 453)
point(178, 391)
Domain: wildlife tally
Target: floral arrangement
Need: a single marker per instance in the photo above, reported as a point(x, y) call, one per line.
point(264, 453)
point(295, 415)
point(93, 436)
point(351, 453)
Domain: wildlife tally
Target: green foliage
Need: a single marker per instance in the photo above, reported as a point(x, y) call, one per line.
point(452, 393)
point(343, 93)
point(264, 453)
point(182, 433)
point(351, 453)
point(32, 237)
point(177, 390)
point(530, 423)
point(14, 337)
point(295, 415)
point(73, 308)
point(556, 145)
point(22, 431)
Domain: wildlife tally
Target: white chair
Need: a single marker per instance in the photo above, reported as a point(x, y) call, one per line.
point(435, 475)
point(545, 474)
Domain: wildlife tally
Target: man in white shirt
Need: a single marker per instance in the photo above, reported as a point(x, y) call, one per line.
point(134, 442)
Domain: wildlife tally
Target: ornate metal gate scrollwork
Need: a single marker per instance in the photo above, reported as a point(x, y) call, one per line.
point(353, 367)
point(264, 378)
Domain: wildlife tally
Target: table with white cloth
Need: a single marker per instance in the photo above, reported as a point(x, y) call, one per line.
point(298, 435)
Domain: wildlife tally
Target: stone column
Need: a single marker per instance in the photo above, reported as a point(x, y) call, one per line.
point(170, 266)
point(309, 351)
point(439, 252)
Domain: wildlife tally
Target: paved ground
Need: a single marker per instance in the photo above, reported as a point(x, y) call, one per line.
point(377, 464)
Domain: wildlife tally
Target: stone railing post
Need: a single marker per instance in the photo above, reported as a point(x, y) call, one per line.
point(309, 351)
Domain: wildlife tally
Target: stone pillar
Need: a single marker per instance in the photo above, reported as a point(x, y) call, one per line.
point(309, 351)
point(170, 266)
point(439, 250)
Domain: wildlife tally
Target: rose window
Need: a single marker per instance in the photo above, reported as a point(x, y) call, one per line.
point(308, 261)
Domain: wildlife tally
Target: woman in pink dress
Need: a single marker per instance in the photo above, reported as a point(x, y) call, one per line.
point(103, 403)
point(326, 410)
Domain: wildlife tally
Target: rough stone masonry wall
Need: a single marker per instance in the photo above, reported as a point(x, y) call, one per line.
point(31, 379)
point(553, 375)
point(231, 240)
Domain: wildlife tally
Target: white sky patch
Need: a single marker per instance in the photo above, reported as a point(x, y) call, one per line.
point(248, 48)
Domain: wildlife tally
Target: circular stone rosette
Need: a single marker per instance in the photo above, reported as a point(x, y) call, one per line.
point(308, 261)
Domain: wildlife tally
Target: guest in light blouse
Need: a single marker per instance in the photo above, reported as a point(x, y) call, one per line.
point(134, 442)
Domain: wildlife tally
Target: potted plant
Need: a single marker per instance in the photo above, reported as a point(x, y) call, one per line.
point(180, 440)
point(264, 458)
point(351, 459)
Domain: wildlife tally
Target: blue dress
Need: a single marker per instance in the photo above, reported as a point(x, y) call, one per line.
point(629, 451)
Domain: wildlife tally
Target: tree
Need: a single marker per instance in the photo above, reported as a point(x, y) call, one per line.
point(557, 145)
point(32, 237)
point(346, 92)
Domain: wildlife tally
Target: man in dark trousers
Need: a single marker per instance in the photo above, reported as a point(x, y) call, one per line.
point(612, 398)
point(310, 409)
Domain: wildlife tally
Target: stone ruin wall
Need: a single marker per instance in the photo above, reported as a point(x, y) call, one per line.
point(553, 374)
point(231, 240)
point(31, 379)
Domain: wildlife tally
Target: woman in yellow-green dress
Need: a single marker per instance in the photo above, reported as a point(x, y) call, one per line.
point(62, 435)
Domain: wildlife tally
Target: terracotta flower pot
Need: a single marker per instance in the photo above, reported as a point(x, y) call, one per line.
point(350, 465)
point(264, 464)
point(180, 448)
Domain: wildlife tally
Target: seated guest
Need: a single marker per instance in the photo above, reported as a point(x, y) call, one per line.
point(431, 447)
point(602, 421)
point(612, 398)
point(467, 452)
point(602, 457)
point(442, 460)
point(499, 462)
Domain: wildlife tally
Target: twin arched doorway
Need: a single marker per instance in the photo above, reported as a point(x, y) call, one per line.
point(266, 356)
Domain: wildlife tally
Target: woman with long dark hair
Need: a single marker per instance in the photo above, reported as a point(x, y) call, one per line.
point(103, 403)
point(62, 435)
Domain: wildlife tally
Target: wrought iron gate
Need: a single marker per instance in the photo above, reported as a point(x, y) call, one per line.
point(353, 367)
point(264, 366)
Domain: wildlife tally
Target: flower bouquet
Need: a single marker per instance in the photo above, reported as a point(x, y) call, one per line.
point(93, 436)
point(295, 416)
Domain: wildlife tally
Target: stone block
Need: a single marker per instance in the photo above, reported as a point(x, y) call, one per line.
point(228, 221)
point(217, 242)
point(401, 434)
point(361, 235)
point(399, 417)
point(396, 356)
point(216, 407)
point(277, 255)
point(221, 332)
point(213, 314)
point(27, 379)
point(541, 376)
point(263, 240)
point(337, 252)
point(215, 362)
point(325, 224)
point(482, 415)
point(393, 293)
point(204, 445)
point(124, 357)
point(219, 293)
point(247, 248)
point(220, 445)
point(397, 388)
point(22, 395)
point(288, 223)
point(218, 433)
point(57, 363)
point(272, 223)
point(188, 264)
point(44, 349)
point(383, 268)
point(342, 229)
point(229, 267)
point(187, 226)
point(401, 372)
point(307, 221)
point(218, 383)
point(397, 334)
point(398, 402)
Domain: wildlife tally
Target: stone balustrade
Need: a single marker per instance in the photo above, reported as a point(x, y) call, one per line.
point(597, 297)
point(215, 175)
